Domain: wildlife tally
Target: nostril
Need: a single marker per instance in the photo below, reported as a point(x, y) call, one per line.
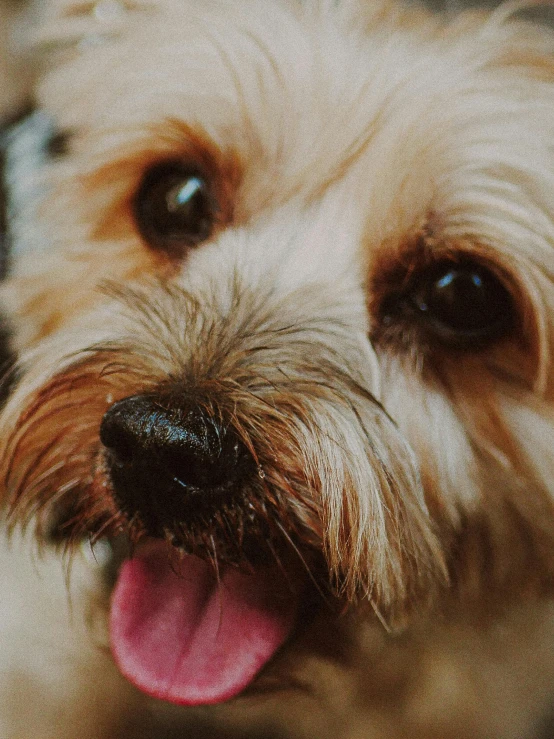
point(208, 471)
point(116, 437)
point(127, 428)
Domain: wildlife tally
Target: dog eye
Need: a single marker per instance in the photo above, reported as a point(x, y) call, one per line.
point(461, 303)
point(174, 208)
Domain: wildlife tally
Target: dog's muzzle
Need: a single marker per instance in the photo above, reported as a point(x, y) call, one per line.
point(175, 465)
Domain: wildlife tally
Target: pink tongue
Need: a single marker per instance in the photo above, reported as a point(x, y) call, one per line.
point(185, 638)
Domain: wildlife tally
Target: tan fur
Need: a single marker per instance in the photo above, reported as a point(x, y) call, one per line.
point(350, 144)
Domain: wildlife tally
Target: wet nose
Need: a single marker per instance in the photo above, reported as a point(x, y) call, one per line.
point(162, 459)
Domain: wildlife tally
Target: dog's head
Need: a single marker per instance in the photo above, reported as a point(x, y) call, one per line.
point(287, 323)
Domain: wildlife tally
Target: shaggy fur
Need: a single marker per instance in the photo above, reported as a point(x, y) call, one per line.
point(350, 145)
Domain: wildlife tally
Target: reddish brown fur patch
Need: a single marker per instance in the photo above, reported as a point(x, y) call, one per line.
point(50, 456)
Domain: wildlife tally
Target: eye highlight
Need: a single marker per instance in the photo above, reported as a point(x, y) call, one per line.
point(175, 208)
point(460, 303)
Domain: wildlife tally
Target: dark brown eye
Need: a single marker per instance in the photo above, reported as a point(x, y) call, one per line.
point(460, 303)
point(174, 207)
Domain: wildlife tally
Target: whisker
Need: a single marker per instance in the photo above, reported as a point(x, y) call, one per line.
point(303, 561)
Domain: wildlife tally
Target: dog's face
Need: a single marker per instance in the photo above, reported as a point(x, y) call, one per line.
point(289, 326)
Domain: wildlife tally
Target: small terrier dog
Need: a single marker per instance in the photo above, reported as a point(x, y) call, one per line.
point(282, 299)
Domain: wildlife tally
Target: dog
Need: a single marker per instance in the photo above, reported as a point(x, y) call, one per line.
point(276, 448)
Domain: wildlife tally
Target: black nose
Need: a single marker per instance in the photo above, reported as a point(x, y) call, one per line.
point(164, 460)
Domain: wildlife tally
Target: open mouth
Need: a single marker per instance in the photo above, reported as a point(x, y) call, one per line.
point(217, 564)
point(185, 628)
point(197, 630)
point(184, 633)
